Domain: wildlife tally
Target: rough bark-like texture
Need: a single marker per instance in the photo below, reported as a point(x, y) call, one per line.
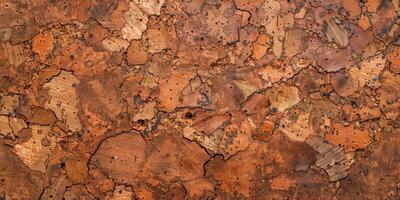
point(199, 99)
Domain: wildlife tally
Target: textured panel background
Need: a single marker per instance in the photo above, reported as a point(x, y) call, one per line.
point(199, 99)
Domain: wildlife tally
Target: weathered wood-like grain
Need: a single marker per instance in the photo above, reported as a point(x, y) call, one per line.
point(199, 99)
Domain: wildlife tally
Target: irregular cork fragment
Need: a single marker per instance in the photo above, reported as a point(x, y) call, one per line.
point(216, 28)
point(384, 18)
point(369, 112)
point(261, 46)
point(373, 49)
point(344, 82)
point(108, 102)
point(18, 181)
point(57, 188)
point(352, 7)
point(350, 138)
point(117, 161)
point(207, 124)
point(5, 129)
point(235, 174)
point(275, 73)
point(167, 157)
point(394, 58)
point(266, 129)
point(147, 112)
point(13, 53)
point(83, 60)
point(296, 127)
point(363, 22)
point(158, 39)
point(150, 7)
point(135, 23)
point(228, 90)
point(115, 44)
point(327, 58)
point(360, 40)
point(136, 55)
point(8, 104)
point(256, 103)
point(294, 42)
point(43, 44)
point(269, 16)
point(63, 100)
point(149, 80)
point(372, 5)
point(43, 116)
point(309, 80)
point(76, 170)
point(236, 138)
point(37, 150)
point(369, 71)
point(243, 48)
point(5, 34)
point(247, 88)
point(17, 124)
point(210, 142)
point(336, 33)
point(283, 97)
point(94, 34)
point(171, 87)
point(226, 141)
point(334, 160)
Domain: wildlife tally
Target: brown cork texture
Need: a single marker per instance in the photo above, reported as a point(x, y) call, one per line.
point(200, 99)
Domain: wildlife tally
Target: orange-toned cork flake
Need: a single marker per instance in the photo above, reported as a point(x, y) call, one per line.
point(43, 44)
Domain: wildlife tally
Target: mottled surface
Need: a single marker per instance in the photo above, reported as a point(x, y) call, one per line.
point(200, 99)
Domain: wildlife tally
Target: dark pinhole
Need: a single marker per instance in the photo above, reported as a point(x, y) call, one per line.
point(188, 115)
point(141, 122)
